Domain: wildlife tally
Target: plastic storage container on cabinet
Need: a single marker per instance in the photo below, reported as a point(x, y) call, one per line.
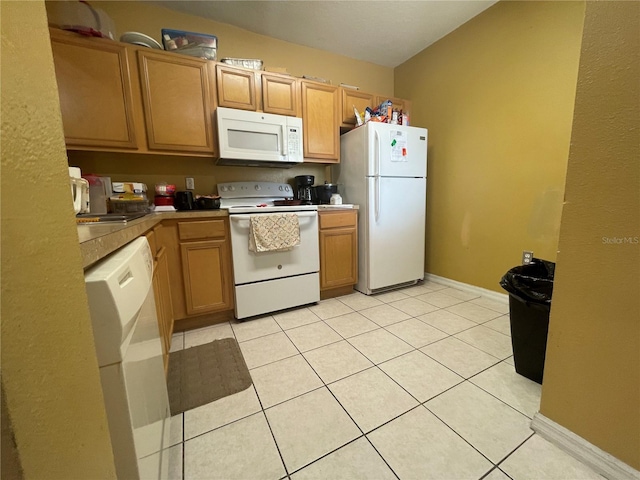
point(530, 289)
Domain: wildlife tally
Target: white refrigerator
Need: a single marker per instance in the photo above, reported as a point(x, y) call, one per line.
point(383, 169)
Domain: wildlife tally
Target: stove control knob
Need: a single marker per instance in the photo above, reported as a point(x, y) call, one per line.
point(232, 188)
point(257, 187)
point(286, 188)
point(223, 188)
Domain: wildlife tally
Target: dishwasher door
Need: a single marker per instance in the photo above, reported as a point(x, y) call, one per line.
point(129, 350)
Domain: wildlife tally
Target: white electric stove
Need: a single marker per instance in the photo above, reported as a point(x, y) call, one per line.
point(258, 197)
point(266, 282)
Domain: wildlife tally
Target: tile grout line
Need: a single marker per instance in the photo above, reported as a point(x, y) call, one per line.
point(264, 414)
point(494, 396)
point(325, 385)
point(464, 439)
point(374, 364)
point(513, 451)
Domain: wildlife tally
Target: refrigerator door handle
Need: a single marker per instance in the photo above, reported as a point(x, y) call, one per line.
point(378, 148)
point(377, 197)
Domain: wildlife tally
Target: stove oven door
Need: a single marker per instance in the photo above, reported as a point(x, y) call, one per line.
point(250, 267)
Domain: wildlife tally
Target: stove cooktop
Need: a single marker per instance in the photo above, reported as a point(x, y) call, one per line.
point(257, 197)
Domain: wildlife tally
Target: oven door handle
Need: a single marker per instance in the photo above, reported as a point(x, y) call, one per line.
point(237, 217)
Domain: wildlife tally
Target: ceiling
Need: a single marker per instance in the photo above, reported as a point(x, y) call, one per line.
point(382, 32)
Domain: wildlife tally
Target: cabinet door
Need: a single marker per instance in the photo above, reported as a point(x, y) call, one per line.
point(236, 88)
point(338, 258)
point(176, 98)
point(320, 122)
point(354, 98)
point(95, 92)
point(279, 94)
point(206, 274)
point(398, 103)
point(164, 291)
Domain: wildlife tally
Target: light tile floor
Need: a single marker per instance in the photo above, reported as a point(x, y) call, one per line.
point(417, 383)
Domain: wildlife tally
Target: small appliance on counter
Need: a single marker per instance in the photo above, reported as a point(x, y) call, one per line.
point(129, 197)
point(303, 189)
point(164, 198)
point(79, 191)
point(184, 200)
point(100, 190)
point(323, 193)
point(208, 202)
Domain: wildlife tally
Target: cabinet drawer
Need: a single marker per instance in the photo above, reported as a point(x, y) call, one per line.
point(205, 229)
point(337, 219)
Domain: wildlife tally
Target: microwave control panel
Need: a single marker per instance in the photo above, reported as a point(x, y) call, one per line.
point(294, 140)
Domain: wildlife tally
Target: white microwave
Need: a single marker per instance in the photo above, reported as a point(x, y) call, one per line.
point(258, 139)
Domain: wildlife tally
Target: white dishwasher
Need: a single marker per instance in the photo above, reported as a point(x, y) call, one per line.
point(129, 351)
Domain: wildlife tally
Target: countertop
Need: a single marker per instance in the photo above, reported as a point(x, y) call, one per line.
point(346, 206)
point(97, 240)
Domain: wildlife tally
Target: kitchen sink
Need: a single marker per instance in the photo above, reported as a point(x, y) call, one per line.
point(89, 218)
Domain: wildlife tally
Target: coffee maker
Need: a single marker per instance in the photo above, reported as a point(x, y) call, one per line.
point(303, 188)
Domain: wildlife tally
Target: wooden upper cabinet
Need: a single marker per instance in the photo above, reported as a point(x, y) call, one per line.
point(354, 98)
point(236, 87)
point(279, 94)
point(177, 102)
point(320, 122)
point(95, 92)
point(398, 103)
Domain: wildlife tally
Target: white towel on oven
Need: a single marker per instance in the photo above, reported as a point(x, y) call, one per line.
point(277, 232)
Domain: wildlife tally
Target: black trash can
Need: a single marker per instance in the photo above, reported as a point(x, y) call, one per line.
point(530, 289)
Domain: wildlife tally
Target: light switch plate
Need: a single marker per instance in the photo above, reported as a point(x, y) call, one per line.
point(189, 183)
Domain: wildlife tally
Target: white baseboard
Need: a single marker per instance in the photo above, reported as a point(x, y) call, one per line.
point(498, 297)
point(602, 462)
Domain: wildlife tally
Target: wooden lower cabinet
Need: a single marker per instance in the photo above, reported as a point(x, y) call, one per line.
point(162, 293)
point(199, 262)
point(338, 252)
point(203, 275)
point(164, 306)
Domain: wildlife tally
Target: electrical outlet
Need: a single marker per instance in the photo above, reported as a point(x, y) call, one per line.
point(189, 183)
point(527, 257)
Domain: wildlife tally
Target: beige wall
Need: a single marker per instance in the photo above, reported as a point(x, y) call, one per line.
point(152, 169)
point(592, 372)
point(49, 367)
point(233, 42)
point(497, 97)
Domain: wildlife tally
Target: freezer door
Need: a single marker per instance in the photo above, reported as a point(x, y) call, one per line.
point(396, 151)
point(394, 231)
